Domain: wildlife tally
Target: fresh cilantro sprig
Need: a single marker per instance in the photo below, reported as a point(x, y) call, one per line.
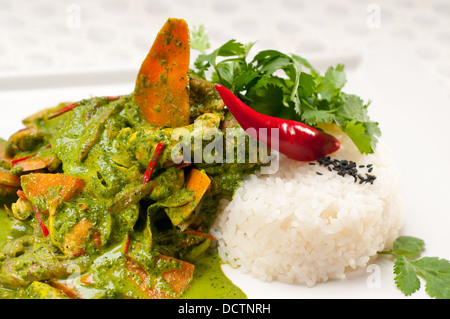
point(409, 266)
point(286, 86)
point(199, 39)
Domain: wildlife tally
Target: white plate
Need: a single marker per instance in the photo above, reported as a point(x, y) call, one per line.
point(413, 113)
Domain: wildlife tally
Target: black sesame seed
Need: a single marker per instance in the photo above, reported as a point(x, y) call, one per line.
point(346, 167)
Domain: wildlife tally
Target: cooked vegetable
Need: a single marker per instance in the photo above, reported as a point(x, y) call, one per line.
point(40, 222)
point(198, 182)
point(35, 262)
point(79, 234)
point(24, 140)
point(62, 110)
point(8, 179)
point(178, 278)
point(151, 166)
point(22, 209)
point(42, 290)
point(50, 188)
point(32, 163)
point(162, 83)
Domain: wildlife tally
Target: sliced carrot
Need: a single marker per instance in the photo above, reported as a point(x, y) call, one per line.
point(31, 163)
point(162, 84)
point(87, 279)
point(75, 239)
point(178, 278)
point(17, 160)
point(51, 186)
point(6, 178)
point(4, 158)
point(198, 182)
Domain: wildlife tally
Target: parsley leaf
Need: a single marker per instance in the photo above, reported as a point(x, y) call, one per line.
point(406, 277)
point(331, 84)
point(436, 272)
point(408, 268)
point(408, 246)
point(199, 39)
point(287, 86)
point(357, 132)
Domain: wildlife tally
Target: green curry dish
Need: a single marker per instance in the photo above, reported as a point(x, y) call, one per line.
point(107, 198)
point(110, 235)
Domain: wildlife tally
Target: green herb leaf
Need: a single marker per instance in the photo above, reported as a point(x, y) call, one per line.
point(312, 116)
point(406, 277)
point(410, 247)
point(199, 39)
point(306, 85)
point(436, 272)
point(287, 86)
point(353, 108)
point(408, 268)
point(358, 134)
point(331, 84)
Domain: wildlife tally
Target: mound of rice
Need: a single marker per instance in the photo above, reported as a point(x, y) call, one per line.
point(301, 227)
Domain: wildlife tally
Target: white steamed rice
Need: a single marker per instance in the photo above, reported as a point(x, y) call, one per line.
point(301, 227)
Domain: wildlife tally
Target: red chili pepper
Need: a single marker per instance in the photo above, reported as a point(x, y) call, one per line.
point(110, 98)
point(41, 222)
point(127, 244)
point(17, 160)
point(151, 166)
point(199, 233)
point(62, 110)
point(183, 164)
point(295, 140)
point(21, 194)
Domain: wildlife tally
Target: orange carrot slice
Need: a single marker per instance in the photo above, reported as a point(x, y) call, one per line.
point(49, 186)
point(6, 178)
point(198, 182)
point(75, 239)
point(178, 278)
point(162, 84)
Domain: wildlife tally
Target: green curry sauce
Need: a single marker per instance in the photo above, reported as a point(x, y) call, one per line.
point(116, 237)
point(211, 283)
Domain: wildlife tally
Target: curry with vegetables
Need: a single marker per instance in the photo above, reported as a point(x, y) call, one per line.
point(100, 199)
point(115, 196)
